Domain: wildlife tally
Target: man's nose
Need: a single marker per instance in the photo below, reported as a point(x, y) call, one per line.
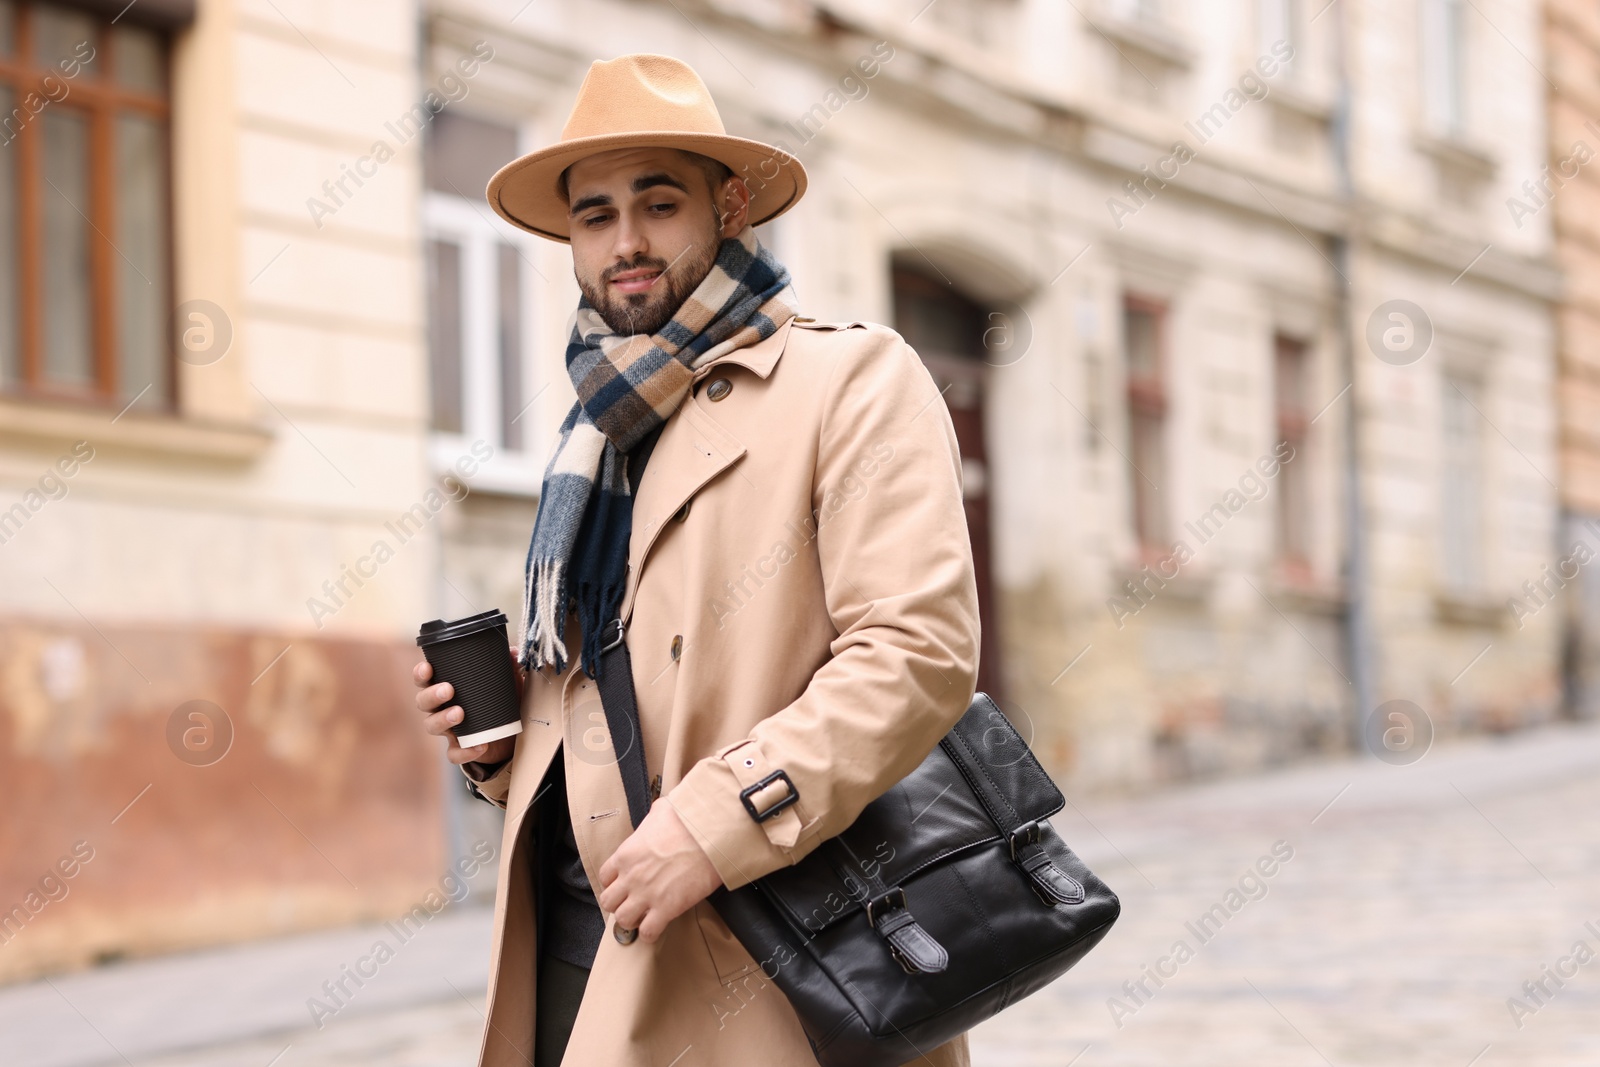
point(630, 241)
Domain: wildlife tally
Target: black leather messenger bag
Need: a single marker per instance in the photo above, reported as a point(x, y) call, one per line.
point(949, 898)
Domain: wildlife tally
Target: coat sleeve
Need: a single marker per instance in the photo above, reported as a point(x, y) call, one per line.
point(898, 581)
point(489, 782)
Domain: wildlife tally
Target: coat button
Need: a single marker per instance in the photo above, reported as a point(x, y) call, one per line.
point(804, 318)
point(682, 513)
point(677, 647)
point(718, 389)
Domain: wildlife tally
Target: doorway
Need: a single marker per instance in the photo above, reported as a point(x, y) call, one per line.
point(947, 330)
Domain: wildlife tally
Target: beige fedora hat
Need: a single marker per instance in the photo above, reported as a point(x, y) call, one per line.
point(631, 102)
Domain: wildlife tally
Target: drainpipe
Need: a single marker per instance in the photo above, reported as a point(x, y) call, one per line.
point(1358, 605)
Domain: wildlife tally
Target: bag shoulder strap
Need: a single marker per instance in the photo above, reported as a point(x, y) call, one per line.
point(621, 705)
point(615, 680)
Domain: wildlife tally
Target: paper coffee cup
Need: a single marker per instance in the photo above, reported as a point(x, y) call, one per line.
point(472, 654)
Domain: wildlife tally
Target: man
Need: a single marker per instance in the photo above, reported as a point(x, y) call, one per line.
point(794, 576)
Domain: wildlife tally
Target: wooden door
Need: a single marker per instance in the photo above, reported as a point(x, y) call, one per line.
point(946, 328)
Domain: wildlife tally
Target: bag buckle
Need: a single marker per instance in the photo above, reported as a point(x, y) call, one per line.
point(750, 791)
point(894, 898)
point(1022, 837)
point(608, 641)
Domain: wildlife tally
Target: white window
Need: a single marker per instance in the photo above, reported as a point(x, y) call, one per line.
point(1461, 516)
point(1136, 10)
point(1444, 65)
point(1279, 20)
point(480, 316)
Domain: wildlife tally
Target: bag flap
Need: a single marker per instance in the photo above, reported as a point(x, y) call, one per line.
point(1000, 767)
point(930, 815)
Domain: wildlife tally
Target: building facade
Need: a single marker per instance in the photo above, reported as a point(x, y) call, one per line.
point(213, 413)
point(1569, 191)
point(1225, 504)
point(1253, 372)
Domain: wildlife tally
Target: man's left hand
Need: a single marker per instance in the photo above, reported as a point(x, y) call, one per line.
point(656, 875)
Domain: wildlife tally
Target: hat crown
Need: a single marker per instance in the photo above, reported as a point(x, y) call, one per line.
point(642, 93)
point(640, 101)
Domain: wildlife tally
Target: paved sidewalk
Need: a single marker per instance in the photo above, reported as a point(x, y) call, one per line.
point(245, 1004)
point(1416, 902)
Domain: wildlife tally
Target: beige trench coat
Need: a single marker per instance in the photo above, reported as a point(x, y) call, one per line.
point(800, 596)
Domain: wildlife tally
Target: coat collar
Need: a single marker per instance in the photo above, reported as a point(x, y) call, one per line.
point(760, 357)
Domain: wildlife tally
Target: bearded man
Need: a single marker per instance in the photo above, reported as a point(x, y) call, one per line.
point(791, 571)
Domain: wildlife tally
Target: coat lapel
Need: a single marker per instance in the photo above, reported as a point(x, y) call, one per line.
point(692, 450)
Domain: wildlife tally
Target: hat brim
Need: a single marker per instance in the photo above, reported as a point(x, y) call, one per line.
point(526, 192)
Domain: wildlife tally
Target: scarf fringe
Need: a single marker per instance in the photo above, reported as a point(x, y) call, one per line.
point(541, 634)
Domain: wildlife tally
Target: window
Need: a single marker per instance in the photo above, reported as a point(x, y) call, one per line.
point(479, 272)
point(1291, 385)
point(1461, 485)
point(1093, 406)
point(986, 23)
point(85, 270)
point(1136, 10)
point(1143, 338)
point(1279, 20)
point(1444, 51)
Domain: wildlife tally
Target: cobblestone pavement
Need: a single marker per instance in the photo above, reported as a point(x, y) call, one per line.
point(1414, 902)
point(1417, 901)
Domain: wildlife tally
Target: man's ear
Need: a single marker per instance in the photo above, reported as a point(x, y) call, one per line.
point(733, 206)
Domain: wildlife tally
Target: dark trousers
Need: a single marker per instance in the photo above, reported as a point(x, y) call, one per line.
point(559, 984)
point(560, 992)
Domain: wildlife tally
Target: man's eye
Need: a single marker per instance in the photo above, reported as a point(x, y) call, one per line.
point(596, 220)
point(659, 208)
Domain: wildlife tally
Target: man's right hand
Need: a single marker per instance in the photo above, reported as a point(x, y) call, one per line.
point(432, 698)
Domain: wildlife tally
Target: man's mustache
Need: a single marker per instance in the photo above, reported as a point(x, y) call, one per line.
point(641, 263)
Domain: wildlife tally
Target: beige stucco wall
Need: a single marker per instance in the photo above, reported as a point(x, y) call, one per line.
point(179, 564)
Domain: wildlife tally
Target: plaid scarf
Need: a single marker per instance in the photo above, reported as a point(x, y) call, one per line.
point(628, 386)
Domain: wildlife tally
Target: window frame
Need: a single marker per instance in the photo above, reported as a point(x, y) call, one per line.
point(1446, 46)
point(1144, 12)
point(1293, 426)
point(96, 97)
point(1146, 398)
point(1281, 20)
point(447, 217)
point(1471, 463)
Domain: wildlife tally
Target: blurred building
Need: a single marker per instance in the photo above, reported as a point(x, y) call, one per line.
point(214, 410)
point(1569, 190)
point(1226, 495)
point(1150, 252)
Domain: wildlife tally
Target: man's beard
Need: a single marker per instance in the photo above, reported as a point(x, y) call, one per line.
point(649, 311)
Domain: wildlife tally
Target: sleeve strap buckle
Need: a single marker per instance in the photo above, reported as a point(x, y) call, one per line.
point(747, 794)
